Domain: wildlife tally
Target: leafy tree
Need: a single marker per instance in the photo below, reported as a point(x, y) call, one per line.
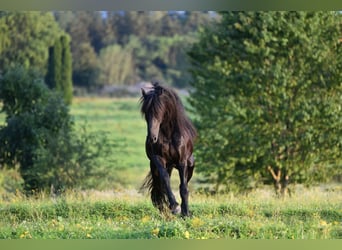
point(85, 66)
point(25, 39)
point(115, 65)
point(33, 114)
point(53, 77)
point(66, 69)
point(159, 58)
point(267, 94)
point(59, 75)
point(38, 135)
point(93, 32)
point(84, 58)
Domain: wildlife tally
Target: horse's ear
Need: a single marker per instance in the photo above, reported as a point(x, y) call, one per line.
point(143, 92)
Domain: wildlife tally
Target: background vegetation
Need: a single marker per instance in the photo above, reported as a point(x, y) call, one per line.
point(264, 91)
point(267, 94)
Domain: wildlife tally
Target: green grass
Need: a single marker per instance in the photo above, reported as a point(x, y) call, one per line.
point(124, 128)
point(313, 214)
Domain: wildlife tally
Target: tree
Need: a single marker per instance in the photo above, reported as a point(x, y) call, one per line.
point(53, 77)
point(85, 66)
point(115, 65)
point(267, 94)
point(33, 114)
point(25, 39)
point(79, 25)
point(66, 70)
point(59, 75)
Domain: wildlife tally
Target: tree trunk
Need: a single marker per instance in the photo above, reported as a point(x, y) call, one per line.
point(280, 184)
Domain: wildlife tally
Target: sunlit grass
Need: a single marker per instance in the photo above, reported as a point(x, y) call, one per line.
point(309, 214)
point(124, 128)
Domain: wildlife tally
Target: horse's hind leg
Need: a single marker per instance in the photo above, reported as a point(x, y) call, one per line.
point(185, 174)
point(191, 166)
point(183, 189)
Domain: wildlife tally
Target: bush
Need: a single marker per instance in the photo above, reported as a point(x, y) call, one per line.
point(39, 135)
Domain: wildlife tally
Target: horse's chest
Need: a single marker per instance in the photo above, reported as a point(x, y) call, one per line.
point(165, 149)
point(169, 150)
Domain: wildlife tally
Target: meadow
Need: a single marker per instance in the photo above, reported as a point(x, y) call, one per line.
point(120, 121)
point(311, 214)
point(115, 210)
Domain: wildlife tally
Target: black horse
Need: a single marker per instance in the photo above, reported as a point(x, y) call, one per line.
point(169, 144)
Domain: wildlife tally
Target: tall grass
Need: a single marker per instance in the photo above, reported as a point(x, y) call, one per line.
point(310, 214)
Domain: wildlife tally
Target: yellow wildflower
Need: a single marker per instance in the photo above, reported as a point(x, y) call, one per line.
point(155, 231)
point(25, 235)
point(54, 222)
point(323, 223)
point(187, 235)
point(197, 222)
point(145, 219)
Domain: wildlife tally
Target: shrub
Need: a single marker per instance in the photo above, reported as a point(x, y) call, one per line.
point(39, 135)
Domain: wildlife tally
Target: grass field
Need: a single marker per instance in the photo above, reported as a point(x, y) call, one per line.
point(122, 124)
point(310, 214)
point(122, 213)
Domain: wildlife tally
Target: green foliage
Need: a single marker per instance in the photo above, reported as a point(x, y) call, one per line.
point(126, 47)
point(53, 77)
point(74, 158)
point(38, 134)
point(66, 70)
point(85, 65)
point(115, 65)
point(163, 58)
point(267, 92)
point(59, 75)
point(25, 39)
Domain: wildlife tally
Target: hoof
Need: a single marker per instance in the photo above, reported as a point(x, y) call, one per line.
point(176, 210)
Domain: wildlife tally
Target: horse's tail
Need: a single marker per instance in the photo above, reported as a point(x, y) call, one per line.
point(153, 184)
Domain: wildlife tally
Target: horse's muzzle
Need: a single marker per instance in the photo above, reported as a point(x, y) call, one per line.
point(154, 139)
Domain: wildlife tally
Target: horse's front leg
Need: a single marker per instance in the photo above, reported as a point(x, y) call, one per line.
point(165, 181)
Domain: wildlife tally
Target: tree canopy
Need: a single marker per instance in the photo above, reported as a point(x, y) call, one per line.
point(139, 45)
point(25, 38)
point(268, 95)
point(59, 73)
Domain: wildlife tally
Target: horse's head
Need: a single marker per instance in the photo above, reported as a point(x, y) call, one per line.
point(153, 126)
point(153, 109)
